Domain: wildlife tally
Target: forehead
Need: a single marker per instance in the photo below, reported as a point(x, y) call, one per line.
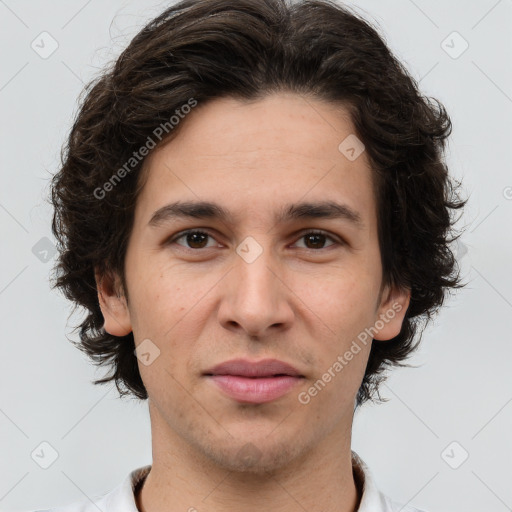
point(254, 157)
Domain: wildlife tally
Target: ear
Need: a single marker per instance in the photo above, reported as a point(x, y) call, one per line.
point(113, 304)
point(391, 313)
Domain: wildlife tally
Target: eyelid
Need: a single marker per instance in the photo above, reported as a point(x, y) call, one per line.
point(336, 240)
point(180, 234)
point(296, 237)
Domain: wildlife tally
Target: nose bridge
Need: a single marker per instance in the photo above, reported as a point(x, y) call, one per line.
point(256, 282)
point(255, 298)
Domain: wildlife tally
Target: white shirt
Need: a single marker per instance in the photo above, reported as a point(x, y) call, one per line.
point(122, 498)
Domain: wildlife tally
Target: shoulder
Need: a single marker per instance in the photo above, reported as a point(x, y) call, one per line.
point(394, 506)
point(82, 506)
point(386, 504)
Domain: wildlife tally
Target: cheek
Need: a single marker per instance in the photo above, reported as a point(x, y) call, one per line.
point(343, 299)
point(161, 292)
point(167, 307)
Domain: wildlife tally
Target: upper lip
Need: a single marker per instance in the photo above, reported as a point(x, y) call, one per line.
point(245, 368)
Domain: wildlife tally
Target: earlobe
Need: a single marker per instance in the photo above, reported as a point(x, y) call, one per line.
point(113, 305)
point(391, 313)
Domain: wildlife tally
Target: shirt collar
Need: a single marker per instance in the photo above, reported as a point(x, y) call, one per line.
point(372, 500)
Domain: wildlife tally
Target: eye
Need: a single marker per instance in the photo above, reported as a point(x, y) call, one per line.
point(317, 240)
point(195, 238)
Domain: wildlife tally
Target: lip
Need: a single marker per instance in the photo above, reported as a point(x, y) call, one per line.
point(254, 382)
point(246, 368)
point(255, 390)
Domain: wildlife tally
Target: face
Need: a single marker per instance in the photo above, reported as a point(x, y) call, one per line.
point(256, 284)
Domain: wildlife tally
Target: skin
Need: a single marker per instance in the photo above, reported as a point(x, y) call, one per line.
point(304, 303)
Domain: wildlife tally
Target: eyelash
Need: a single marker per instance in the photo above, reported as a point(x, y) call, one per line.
point(182, 234)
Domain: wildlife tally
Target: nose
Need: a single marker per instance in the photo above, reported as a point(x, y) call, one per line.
point(256, 298)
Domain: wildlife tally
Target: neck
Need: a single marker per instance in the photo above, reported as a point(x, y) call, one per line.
point(182, 477)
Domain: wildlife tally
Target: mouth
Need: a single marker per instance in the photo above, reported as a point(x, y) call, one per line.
point(246, 368)
point(254, 382)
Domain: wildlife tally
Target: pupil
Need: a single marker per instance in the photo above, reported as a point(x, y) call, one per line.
point(192, 235)
point(312, 237)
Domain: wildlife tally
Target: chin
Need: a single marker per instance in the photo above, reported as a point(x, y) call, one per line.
point(253, 457)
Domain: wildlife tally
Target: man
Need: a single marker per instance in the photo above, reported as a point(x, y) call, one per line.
point(254, 209)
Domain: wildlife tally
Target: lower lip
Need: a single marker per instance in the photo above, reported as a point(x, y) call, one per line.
point(255, 390)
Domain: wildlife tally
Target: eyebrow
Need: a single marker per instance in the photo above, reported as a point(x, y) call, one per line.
point(213, 211)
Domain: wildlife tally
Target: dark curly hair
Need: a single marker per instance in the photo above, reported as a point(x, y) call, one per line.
point(247, 49)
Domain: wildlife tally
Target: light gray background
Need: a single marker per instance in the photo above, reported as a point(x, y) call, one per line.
point(462, 389)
